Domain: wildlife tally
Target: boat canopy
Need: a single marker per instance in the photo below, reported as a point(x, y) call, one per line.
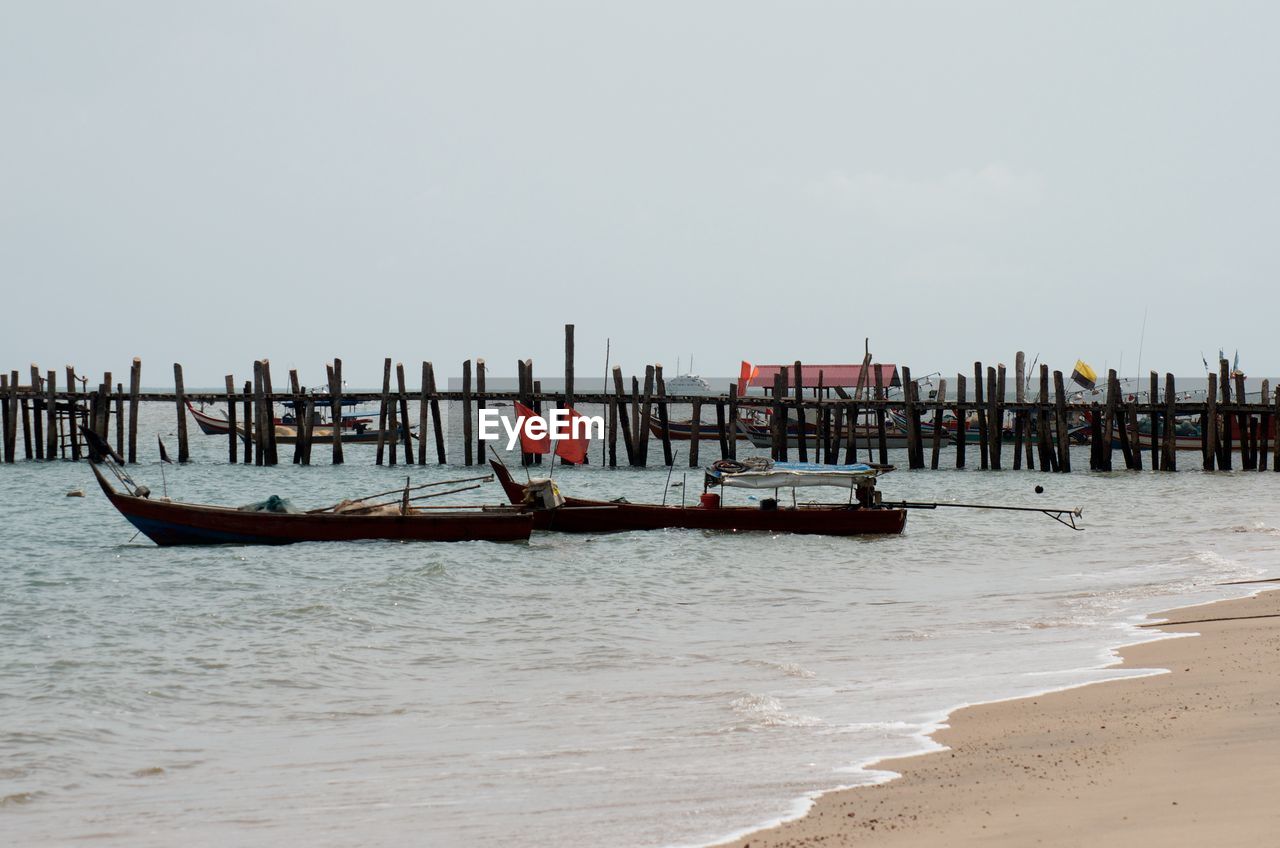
point(795, 475)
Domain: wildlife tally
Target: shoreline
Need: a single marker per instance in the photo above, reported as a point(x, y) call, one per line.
point(926, 797)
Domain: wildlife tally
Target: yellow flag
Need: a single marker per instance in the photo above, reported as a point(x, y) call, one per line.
point(1084, 375)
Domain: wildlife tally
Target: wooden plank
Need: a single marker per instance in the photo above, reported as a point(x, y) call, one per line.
point(437, 426)
point(1060, 419)
point(1169, 462)
point(937, 424)
point(179, 390)
point(335, 398)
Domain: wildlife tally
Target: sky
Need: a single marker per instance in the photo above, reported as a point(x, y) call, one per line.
point(211, 183)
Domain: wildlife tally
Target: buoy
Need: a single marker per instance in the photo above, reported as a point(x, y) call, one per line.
point(1039, 490)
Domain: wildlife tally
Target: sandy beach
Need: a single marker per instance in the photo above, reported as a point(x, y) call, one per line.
point(1191, 757)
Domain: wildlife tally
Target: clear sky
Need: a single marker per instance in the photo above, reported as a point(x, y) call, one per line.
point(215, 182)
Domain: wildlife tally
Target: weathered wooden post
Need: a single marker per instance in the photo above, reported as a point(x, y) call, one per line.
point(1154, 419)
point(961, 419)
point(6, 410)
point(37, 419)
point(802, 422)
point(299, 429)
point(1242, 422)
point(1264, 427)
point(135, 388)
point(882, 397)
point(984, 439)
point(612, 443)
point(382, 411)
point(733, 421)
point(695, 432)
point(406, 437)
point(937, 424)
point(1170, 457)
point(466, 412)
point(259, 417)
point(646, 415)
point(664, 423)
point(437, 427)
point(422, 418)
point(1133, 444)
point(996, 423)
point(1209, 430)
point(1019, 415)
point(1048, 456)
point(51, 414)
point(778, 420)
point(1226, 436)
point(1122, 426)
point(269, 408)
point(721, 431)
point(335, 405)
point(909, 407)
point(480, 407)
point(181, 403)
point(250, 424)
point(1060, 419)
point(623, 417)
point(568, 366)
point(232, 435)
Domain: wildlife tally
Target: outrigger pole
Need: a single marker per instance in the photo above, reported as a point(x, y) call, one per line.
point(1066, 517)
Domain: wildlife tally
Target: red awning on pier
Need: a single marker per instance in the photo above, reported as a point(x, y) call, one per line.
point(845, 376)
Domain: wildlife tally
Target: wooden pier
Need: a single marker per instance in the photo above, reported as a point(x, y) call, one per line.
point(827, 423)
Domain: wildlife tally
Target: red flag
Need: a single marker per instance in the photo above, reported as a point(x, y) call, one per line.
point(569, 448)
point(532, 443)
point(746, 373)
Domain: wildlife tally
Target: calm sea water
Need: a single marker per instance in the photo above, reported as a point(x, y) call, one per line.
point(638, 689)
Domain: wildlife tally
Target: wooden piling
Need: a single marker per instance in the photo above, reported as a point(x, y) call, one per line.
point(295, 389)
point(1153, 397)
point(382, 410)
point(568, 366)
point(909, 407)
point(984, 441)
point(467, 457)
point(104, 406)
point(393, 433)
point(621, 414)
point(480, 407)
point(335, 405)
point(612, 411)
point(1133, 443)
point(268, 390)
point(37, 419)
point(1169, 462)
point(232, 431)
point(250, 424)
point(732, 420)
point(1209, 430)
point(802, 424)
point(695, 432)
point(135, 389)
point(937, 424)
point(422, 418)
point(664, 423)
point(721, 431)
point(1060, 420)
point(437, 426)
point(961, 422)
point(1242, 423)
point(1122, 425)
point(406, 437)
point(181, 403)
point(260, 423)
point(1225, 436)
point(646, 415)
point(120, 428)
point(25, 414)
point(995, 424)
point(777, 418)
point(1275, 456)
point(51, 414)
point(882, 394)
point(1264, 427)
point(10, 411)
point(1019, 415)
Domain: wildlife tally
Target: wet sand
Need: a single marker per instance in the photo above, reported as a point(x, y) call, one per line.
point(1187, 758)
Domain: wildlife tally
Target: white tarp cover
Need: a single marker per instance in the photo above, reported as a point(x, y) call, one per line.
point(798, 474)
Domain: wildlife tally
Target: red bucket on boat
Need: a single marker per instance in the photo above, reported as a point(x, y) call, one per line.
point(710, 500)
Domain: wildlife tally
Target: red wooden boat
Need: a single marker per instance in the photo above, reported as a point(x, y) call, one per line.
point(580, 515)
point(171, 523)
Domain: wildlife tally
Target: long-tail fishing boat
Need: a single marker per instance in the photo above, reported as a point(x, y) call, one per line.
point(681, 430)
point(861, 514)
point(354, 429)
point(275, 522)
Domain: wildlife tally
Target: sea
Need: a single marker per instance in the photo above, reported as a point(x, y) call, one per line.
point(640, 689)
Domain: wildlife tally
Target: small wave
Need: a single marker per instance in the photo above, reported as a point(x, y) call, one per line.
point(17, 798)
point(763, 711)
point(790, 669)
point(1257, 527)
